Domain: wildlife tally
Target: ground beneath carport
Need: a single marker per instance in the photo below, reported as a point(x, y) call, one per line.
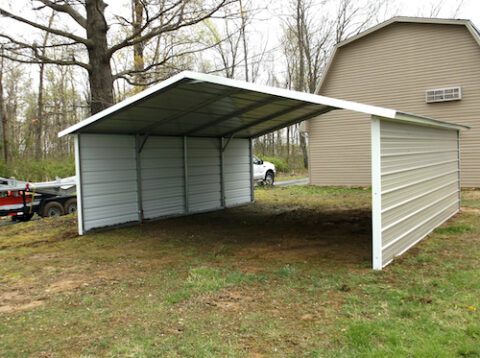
point(287, 276)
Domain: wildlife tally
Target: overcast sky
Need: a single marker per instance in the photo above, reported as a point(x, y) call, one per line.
point(266, 30)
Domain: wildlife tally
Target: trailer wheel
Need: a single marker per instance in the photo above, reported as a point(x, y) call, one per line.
point(53, 209)
point(70, 206)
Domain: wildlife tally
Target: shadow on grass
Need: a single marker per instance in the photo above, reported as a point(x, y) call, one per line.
point(269, 232)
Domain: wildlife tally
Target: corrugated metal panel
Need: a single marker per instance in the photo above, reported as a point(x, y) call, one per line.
point(397, 77)
point(419, 183)
point(162, 175)
point(237, 162)
point(339, 149)
point(204, 177)
point(108, 179)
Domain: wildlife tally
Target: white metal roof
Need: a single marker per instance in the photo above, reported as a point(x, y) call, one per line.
point(197, 104)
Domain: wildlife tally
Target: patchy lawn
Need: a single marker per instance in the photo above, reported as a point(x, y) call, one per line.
point(282, 177)
point(287, 276)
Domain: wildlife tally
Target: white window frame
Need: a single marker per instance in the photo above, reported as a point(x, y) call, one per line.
point(437, 95)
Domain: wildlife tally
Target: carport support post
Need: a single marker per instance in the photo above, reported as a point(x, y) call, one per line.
point(138, 161)
point(185, 174)
point(250, 149)
point(222, 171)
point(79, 184)
point(459, 173)
point(376, 195)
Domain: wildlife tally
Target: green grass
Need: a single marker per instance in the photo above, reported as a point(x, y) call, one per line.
point(286, 277)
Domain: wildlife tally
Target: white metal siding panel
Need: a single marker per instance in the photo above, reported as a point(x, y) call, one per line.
point(162, 177)
point(387, 68)
point(108, 180)
point(419, 182)
point(237, 162)
point(204, 174)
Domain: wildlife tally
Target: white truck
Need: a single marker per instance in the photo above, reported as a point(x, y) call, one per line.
point(263, 172)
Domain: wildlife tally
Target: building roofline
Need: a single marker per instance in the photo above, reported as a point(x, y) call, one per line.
point(418, 20)
point(474, 31)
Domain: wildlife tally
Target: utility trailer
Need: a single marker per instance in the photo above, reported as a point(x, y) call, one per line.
point(21, 200)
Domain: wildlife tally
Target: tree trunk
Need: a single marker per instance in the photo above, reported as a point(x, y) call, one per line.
point(303, 145)
point(244, 38)
point(300, 30)
point(3, 114)
point(301, 69)
point(138, 60)
point(38, 150)
point(288, 144)
point(100, 74)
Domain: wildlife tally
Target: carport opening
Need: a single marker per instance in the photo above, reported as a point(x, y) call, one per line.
point(336, 233)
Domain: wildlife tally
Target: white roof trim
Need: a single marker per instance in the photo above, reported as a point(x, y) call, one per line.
point(300, 96)
point(426, 121)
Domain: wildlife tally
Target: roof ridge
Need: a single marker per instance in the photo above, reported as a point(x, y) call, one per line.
point(412, 19)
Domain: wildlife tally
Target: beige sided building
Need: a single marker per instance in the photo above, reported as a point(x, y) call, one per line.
point(393, 65)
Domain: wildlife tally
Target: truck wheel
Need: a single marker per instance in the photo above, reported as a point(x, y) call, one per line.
point(53, 209)
point(70, 206)
point(269, 178)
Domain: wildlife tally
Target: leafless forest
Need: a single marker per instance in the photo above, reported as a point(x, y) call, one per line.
point(62, 60)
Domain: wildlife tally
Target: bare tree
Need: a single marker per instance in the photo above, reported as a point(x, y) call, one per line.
point(160, 17)
point(38, 131)
point(353, 17)
point(3, 111)
point(138, 60)
point(228, 48)
point(305, 47)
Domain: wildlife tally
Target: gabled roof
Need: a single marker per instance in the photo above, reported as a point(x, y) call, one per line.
point(418, 20)
point(474, 31)
point(201, 105)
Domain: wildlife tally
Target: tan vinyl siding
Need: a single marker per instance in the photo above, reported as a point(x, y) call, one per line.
point(393, 67)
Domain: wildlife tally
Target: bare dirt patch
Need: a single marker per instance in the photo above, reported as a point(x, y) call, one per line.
point(64, 286)
point(256, 235)
point(18, 299)
point(236, 300)
point(20, 307)
point(27, 297)
point(470, 210)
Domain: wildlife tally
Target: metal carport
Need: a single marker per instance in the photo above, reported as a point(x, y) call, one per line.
point(185, 146)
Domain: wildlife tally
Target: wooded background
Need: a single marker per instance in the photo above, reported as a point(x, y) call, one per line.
point(63, 60)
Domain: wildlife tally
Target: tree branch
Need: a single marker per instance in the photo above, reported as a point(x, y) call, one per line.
point(132, 40)
point(41, 58)
point(79, 39)
point(67, 9)
point(162, 62)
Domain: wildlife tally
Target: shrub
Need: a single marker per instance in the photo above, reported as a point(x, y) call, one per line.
point(280, 164)
point(41, 170)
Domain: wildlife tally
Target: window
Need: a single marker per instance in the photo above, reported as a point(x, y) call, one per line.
point(443, 94)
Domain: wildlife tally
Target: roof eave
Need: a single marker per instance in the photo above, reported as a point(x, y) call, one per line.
point(427, 121)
